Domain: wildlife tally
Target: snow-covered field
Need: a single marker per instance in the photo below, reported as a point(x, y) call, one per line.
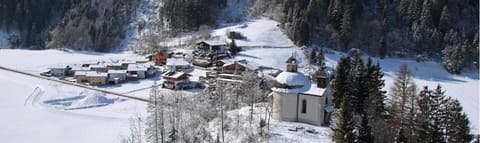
point(36, 110)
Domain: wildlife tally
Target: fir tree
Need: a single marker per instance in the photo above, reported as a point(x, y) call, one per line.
point(313, 57)
point(234, 49)
point(458, 130)
point(342, 81)
point(321, 57)
point(453, 58)
point(344, 127)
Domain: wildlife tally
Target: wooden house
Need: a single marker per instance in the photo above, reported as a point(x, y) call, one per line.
point(159, 58)
point(175, 80)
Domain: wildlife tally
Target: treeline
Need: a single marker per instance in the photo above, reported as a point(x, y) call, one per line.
point(31, 18)
point(177, 16)
point(406, 28)
point(363, 114)
point(74, 24)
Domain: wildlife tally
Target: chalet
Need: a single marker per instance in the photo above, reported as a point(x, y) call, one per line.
point(177, 64)
point(59, 70)
point(98, 68)
point(240, 66)
point(117, 76)
point(210, 50)
point(140, 71)
point(175, 80)
point(211, 45)
point(159, 58)
point(296, 99)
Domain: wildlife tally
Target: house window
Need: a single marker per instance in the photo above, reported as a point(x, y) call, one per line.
point(304, 106)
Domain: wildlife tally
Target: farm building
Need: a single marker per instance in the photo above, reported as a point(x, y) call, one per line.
point(296, 99)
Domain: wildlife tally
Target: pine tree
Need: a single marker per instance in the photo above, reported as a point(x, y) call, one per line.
point(403, 102)
point(453, 58)
point(437, 115)
point(342, 81)
point(321, 57)
point(234, 49)
point(313, 57)
point(344, 126)
point(458, 130)
point(376, 97)
point(360, 85)
point(444, 23)
point(365, 131)
point(346, 26)
point(382, 50)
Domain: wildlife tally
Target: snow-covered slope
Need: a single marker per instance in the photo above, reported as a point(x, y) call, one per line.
point(258, 33)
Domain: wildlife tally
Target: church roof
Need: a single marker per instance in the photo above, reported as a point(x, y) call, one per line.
point(299, 80)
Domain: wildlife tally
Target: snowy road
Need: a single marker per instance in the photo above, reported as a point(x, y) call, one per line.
point(74, 84)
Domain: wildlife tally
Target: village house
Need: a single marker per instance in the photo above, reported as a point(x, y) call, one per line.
point(59, 70)
point(96, 78)
point(177, 64)
point(117, 76)
point(175, 80)
point(297, 99)
point(140, 71)
point(159, 58)
point(239, 67)
point(208, 51)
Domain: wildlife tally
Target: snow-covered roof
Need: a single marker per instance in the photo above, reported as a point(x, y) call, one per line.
point(173, 74)
point(117, 71)
point(292, 78)
point(249, 64)
point(137, 67)
point(97, 66)
point(58, 67)
point(176, 62)
point(79, 68)
point(303, 84)
point(96, 74)
point(213, 42)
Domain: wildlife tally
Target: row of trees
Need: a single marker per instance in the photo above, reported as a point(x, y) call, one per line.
point(358, 99)
point(364, 115)
point(425, 116)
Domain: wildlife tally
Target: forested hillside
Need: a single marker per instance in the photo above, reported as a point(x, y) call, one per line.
point(440, 30)
point(76, 24)
point(405, 28)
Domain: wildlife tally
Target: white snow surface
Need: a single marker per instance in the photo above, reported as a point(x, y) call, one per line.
point(259, 33)
point(36, 110)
